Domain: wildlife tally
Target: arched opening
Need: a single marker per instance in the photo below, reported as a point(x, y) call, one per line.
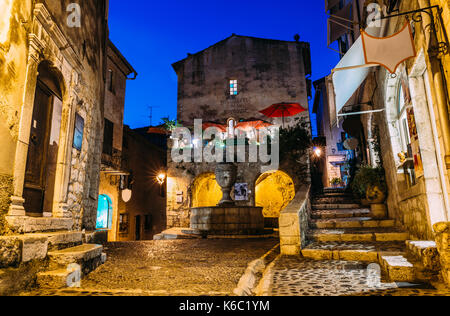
point(39, 185)
point(104, 212)
point(206, 191)
point(274, 191)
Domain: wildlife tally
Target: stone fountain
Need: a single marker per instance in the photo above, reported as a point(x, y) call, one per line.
point(227, 218)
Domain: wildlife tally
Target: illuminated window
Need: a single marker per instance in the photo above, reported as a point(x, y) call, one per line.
point(104, 212)
point(233, 87)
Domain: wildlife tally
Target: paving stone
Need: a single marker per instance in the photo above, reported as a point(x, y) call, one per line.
point(296, 276)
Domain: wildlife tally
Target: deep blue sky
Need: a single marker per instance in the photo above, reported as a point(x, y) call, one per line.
point(154, 34)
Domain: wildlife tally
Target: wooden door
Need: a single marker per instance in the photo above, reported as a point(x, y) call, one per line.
point(138, 227)
point(34, 187)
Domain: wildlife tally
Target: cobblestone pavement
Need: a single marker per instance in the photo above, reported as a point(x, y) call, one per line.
point(296, 276)
point(179, 267)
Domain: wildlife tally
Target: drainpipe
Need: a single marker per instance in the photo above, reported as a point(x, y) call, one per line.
point(438, 80)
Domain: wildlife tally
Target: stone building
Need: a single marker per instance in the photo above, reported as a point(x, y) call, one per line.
point(52, 74)
point(114, 177)
point(145, 214)
point(409, 113)
point(263, 72)
point(53, 78)
point(333, 156)
point(228, 83)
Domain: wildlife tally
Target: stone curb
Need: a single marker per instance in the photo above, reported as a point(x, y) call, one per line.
point(249, 280)
point(264, 285)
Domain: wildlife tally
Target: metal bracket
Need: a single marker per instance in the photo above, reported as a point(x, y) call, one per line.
point(442, 47)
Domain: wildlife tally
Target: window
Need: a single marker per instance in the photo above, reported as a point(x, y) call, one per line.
point(108, 137)
point(104, 212)
point(233, 87)
point(148, 222)
point(111, 80)
point(123, 223)
point(403, 119)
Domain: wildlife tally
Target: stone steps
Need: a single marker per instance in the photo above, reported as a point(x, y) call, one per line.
point(352, 251)
point(59, 279)
point(397, 269)
point(87, 256)
point(333, 200)
point(425, 253)
point(61, 240)
point(342, 213)
point(380, 234)
point(354, 222)
point(335, 206)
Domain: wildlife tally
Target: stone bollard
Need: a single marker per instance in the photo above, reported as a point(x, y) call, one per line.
point(443, 244)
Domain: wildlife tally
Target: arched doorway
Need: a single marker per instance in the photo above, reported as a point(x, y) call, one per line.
point(206, 191)
point(39, 185)
point(104, 212)
point(274, 191)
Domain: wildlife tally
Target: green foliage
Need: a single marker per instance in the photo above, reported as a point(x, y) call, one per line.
point(336, 181)
point(169, 124)
point(366, 177)
point(295, 142)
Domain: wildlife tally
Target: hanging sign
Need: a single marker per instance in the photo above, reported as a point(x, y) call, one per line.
point(390, 51)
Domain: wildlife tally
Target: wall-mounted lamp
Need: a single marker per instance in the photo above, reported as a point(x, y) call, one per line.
point(126, 195)
point(318, 152)
point(161, 178)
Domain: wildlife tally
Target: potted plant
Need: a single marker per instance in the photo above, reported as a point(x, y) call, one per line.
point(369, 184)
point(336, 182)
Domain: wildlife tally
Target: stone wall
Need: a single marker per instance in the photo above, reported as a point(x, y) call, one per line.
point(443, 244)
point(38, 33)
point(267, 71)
point(6, 189)
point(294, 223)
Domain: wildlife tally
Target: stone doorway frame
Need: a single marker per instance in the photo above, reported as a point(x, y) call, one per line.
point(434, 185)
point(47, 43)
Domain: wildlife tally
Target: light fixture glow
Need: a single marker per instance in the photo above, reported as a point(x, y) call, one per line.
point(5, 17)
point(318, 152)
point(161, 178)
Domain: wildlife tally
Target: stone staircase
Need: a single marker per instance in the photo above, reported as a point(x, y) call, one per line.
point(65, 256)
point(341, 229)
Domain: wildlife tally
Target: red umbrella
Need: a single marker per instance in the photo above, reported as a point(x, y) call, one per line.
point(220, 127)
point(283, 110)
point(253, 124)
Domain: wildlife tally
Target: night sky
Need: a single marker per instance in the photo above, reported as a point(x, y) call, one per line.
point(154, 34)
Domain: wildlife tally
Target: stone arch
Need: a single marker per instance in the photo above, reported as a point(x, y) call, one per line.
point(205, 191)
point(274, 191)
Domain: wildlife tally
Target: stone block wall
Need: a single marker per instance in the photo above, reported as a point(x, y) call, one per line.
point(294, 221)
point(6, 189)
point(443, 245)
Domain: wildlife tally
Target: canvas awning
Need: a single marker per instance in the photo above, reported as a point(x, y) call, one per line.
point(347, 81)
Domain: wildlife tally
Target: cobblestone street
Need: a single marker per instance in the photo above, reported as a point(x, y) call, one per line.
point(168, 268)
point(296, 276)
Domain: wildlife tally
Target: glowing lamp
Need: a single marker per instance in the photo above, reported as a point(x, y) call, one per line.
point(318, 152)
point(126, 195)
point(161, 178)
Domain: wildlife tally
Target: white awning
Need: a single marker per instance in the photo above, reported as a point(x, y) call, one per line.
point(347, 81)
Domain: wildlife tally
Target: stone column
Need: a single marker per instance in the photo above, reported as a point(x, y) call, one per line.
point(20, 161)
point(60, 206)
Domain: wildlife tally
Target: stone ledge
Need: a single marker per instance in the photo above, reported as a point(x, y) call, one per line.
point(24, 225)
